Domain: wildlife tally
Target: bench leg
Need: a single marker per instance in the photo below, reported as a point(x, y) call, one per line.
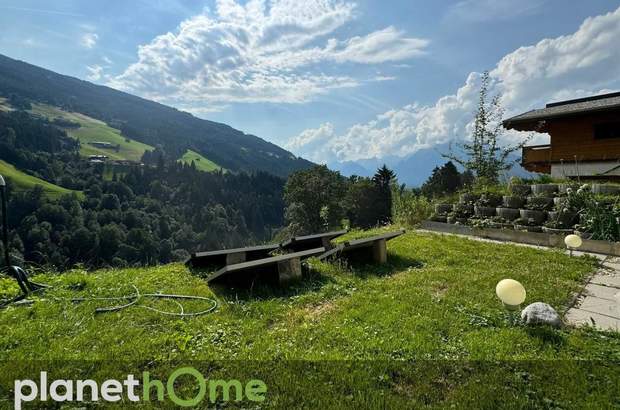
point(289, 270)
point(234, 258)
point(379, 251)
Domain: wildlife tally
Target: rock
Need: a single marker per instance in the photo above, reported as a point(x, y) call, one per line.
point(540, 313)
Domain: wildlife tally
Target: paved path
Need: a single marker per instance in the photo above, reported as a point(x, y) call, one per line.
point(598, 304)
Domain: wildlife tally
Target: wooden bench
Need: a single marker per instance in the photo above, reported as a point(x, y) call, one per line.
point(374, 247)
point(279, 269)
point(220, 258)
point(301, 243)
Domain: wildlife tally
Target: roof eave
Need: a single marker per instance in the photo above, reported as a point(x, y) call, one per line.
point(532, 123)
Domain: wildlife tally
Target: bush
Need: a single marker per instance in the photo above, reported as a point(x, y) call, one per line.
point(410, 209)
point(598, 216)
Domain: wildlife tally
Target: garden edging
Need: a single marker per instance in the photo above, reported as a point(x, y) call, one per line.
point(531, 238)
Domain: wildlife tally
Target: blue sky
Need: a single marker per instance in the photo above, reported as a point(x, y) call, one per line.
point(332, 80)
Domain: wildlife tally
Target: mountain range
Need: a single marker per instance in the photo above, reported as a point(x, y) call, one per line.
point(413, 170)
point(147, 122)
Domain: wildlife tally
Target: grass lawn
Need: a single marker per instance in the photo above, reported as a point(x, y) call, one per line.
point(425, 329)
point(202, 163)
point(92, 130)
point(23, 181)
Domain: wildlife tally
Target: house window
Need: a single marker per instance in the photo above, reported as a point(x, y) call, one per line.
point(607, 130)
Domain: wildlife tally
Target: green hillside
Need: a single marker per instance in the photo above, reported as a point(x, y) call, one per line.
point(92, 130)
point(147, 121)
point(22, 181)
point(202, 163)
point(424, 328)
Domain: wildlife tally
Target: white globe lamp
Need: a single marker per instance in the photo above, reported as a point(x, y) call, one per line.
point(511, 293)
point(573, 242)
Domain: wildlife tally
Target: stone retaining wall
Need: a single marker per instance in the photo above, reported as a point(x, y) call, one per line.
point(530, 238)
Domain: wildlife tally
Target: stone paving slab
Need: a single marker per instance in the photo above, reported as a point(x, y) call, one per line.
point(607, 280)
point(580, 317)
point(602, 292)
point(600, 306)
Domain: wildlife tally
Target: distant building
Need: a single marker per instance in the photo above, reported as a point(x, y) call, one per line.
point(585, 137)
point(100, 144)
point(97, 159)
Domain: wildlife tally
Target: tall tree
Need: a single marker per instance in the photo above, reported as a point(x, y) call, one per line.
point(444, 180)
point(483, 154)
point(313, 199)
point(383, 179)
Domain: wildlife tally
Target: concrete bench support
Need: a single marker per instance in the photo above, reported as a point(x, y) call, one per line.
point(280, 269)
point(379, 251)
point(365, 249)
point(237, 257)
point(289, 271)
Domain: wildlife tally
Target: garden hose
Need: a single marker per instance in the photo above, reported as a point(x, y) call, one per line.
point(132, 300)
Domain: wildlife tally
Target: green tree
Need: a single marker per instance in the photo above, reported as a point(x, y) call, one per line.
point(110, 238)
point(110, 202)
point(483, 154)
point(443, 181)
point(83, 244)
point(364, 203)
point(383, 179)
point(314, 199)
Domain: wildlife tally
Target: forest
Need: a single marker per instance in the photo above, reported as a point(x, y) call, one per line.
point(144, 215)
point(161, 210)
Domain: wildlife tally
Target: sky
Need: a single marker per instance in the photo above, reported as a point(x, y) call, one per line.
point(335, 81)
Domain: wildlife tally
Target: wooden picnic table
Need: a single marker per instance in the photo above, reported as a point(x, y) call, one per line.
point(223, 257)
point(280, 269)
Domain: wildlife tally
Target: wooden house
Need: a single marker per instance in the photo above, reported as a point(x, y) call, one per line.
point(585, 137)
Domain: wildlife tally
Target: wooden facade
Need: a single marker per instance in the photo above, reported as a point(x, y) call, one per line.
point(576, 136)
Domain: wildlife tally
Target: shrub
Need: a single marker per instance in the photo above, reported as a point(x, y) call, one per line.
point(410, 209)
point(597, 216)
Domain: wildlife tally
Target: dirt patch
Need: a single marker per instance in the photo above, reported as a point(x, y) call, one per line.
point(316, 312)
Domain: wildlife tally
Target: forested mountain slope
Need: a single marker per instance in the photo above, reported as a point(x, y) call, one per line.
point(147, 121)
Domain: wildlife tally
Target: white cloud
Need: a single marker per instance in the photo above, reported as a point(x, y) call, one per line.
point(259, 52)
point(89, 40)
point(583, 63)
point(95, 72)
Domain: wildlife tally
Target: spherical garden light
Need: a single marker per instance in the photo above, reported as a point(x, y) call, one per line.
point(511, 293)
point(573, 242)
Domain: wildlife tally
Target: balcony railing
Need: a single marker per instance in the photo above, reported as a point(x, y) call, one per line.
point(537, 158)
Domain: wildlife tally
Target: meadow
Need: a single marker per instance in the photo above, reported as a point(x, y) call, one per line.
point(425, 329)
point(202, 163)
point(21, 181)
point(93, 130)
